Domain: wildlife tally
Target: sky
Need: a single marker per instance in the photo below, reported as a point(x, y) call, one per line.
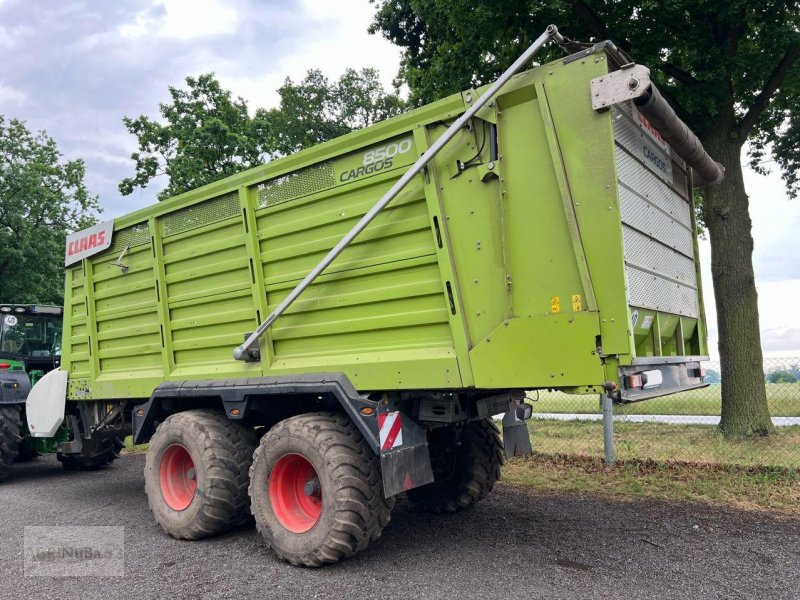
point(75, 68)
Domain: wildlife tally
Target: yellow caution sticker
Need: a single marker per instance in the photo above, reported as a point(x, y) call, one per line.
point(577, 304)
point(555, 304)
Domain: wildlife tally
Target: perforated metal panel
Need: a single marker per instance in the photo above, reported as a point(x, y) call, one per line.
point(135, 235)
point(650, 220)
point(656, 225)
point(297, 184)
point(197, 215)
point(650, 255)
point(646, 290)
point(634, 176)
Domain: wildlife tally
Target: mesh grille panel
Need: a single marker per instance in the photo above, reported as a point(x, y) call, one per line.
point(294, 185)
point(641, 215)
point(646, 290)
point(651, 255)
point(634, 176)
point(192, 217)
point(136, 235)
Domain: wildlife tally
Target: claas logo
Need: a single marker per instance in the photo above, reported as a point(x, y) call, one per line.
point(86, 243)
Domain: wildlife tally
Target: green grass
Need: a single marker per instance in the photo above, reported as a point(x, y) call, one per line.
point(131, 448)
point(663, 442)
point(775, 490)
point(784, 401)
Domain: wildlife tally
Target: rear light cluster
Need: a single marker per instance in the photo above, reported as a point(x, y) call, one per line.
point(646, 380)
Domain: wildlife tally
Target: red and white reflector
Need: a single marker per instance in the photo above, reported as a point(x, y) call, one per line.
point(391, 430)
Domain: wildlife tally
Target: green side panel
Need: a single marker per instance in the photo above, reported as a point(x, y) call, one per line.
point(207, 275)
point(378, 312)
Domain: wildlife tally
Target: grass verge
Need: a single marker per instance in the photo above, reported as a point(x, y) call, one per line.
point(783, 398)
point(664, 442)
point(773, 489)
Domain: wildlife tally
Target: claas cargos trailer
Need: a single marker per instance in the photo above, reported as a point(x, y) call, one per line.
point(305, 340)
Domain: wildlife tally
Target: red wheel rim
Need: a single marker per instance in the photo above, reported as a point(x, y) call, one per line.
point(177, 477)
point(295, 494)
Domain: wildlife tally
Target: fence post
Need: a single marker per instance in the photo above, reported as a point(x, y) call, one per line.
point(608, 429)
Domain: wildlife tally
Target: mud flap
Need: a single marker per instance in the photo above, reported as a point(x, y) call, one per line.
point(516, 439)
point(405, 459)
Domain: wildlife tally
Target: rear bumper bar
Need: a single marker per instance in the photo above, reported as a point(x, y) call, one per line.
point(660, 376)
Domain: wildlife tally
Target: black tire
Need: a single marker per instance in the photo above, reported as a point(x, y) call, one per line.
point(353, 510)
point(27, 451)
point(10, 437)
point(467, 461)
point(100, 458)
point(221, 451)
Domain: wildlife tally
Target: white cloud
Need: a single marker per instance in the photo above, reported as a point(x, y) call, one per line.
point(182, 20)
point(188, 19)
point(9, 95)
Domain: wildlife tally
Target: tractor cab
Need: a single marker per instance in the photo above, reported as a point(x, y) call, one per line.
point(31, 335)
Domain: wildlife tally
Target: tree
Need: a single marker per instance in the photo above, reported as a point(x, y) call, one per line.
point(208, 135)
point(781, 376)
point(316, 110)
point(42, 198)
point(728, 67)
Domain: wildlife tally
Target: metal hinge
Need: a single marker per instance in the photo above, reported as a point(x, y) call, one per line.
point(619, 86)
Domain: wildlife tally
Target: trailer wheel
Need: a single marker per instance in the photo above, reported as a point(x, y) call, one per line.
point(466, 464)
point(100, 458)
point(196, 474)
point(316, 490)
point(10, 437)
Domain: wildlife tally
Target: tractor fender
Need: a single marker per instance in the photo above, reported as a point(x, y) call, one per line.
point(44, 407)
point(14, 387)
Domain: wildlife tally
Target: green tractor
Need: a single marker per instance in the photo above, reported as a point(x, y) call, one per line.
point(30, 346)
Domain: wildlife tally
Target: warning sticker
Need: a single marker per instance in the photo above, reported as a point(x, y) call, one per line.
point(555, 304)
point(647, 321)
point(577, 304)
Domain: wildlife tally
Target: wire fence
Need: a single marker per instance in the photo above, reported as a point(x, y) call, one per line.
point(678, 428)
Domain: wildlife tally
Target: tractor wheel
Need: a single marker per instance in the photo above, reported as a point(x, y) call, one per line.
point(196, 474)
point(10, 437)
point(316, 490)
point(466, 464)
point(100, 458)
point(27, 451)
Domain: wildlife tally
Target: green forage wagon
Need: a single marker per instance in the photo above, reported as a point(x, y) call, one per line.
point(307, 339)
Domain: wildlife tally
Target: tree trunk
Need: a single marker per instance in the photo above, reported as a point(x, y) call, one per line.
point(726, 211)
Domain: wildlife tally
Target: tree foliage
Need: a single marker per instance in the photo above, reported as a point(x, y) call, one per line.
point(206, 134)
point(316, 110)
point(728, 67)
point(42, 197)
point(782, 376)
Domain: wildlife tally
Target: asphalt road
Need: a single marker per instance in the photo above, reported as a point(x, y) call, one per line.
point(515, 544)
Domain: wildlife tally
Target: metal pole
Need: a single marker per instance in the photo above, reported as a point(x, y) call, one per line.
point(240, 353)
point(608, 429)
